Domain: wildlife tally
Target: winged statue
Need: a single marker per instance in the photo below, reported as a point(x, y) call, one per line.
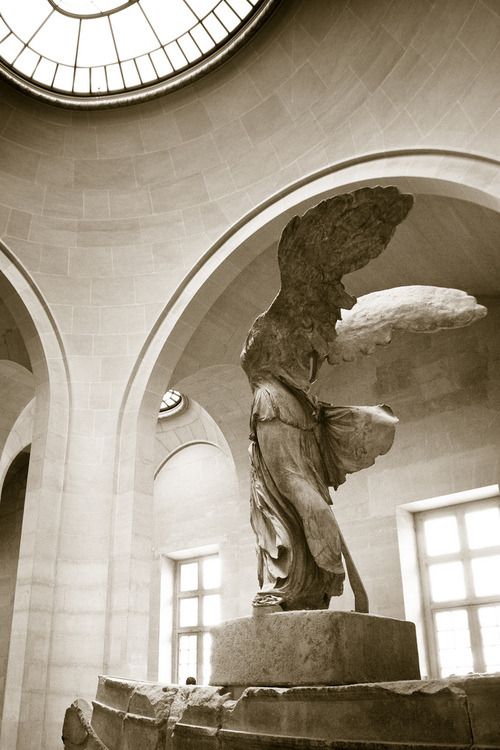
point(300, 446)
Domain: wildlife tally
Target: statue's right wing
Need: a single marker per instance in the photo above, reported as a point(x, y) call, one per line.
point(419, 309)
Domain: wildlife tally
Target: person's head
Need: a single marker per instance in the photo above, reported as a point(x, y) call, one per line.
point(191, 681)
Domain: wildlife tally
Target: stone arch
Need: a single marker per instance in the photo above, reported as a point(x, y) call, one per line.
point(449, 173)
point(19, 438)
point(49, 413)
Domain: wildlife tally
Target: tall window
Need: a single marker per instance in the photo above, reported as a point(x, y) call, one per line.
point(459, 557)
point(197, 584)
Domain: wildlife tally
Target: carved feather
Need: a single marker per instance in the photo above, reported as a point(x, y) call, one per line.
point(374, 318)
point(335, 237)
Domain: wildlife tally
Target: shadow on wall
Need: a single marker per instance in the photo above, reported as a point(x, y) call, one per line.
point(11, 518)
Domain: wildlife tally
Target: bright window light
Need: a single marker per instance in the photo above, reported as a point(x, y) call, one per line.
point(189, 48)
point(114, 77)
point(149, 39)
point(64, 78)
point(98, 79)
point(96, 45)
point(82, 80)
point(227, 16)
point(215, 28)
point(197, 608)
point(10, 48)
point(459, 557)
point(161, 63)
point(45, 71)
point(27, 62)
point(202, 38)
point(146, 69)
point(441, 535)
point(25, 18)
point(175, 56)
point(65, 30)
point(483, 528)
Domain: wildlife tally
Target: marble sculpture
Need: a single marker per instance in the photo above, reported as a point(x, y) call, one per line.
point(301, 446)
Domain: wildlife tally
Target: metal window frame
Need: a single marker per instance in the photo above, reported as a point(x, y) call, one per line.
point(471, 601)
point(213, 59)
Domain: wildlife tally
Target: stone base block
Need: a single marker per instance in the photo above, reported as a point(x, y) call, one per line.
point(284, 649)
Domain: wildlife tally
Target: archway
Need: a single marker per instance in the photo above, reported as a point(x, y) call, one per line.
point(47, 414)
point(460, 175)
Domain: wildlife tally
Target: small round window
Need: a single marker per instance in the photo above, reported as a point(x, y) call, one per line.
point(170, 401)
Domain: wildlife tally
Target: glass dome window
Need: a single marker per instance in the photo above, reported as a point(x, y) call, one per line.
point(170, 401)
point(100, 48)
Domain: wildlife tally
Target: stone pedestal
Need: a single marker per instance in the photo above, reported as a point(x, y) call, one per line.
point(284, 649)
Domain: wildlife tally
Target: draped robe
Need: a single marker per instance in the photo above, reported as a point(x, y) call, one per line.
point(299, 448)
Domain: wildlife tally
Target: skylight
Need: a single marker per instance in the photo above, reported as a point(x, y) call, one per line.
point(96, 48)
point(171, 400)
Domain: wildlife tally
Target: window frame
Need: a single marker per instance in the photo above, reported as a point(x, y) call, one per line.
point(471, 602)
point(143, 91)
point(200, 629)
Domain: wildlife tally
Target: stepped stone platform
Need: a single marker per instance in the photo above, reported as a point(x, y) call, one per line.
point(454, 714)
point(323, 680)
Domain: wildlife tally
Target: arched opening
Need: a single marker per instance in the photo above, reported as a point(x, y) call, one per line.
point(195, 523)
point(179, 339)
point(35, 394)
point(11, 518)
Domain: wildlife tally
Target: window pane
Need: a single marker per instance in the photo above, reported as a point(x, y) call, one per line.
point(175, 56)
point(483, 528)
point(441, 535)
point(169, 20)
point(82, 80)
point(227, 16)
point(211, 609)
point(453, 640)
point(211, 573)
point(57, 39)
point(98, 80)
point(242, 7)
point(10, 48)
point(189, 48)
point(188, 652)
point(145, 68)
point(188, 612)
point(214, 27)
point(489, 621)
point(207, 648)
point(114, 76)
point(447, 581)
point(45, 71)
point(163, 68)
point(96, 46)
point(189, 576)
point(141, 41)
point(202, 38)
point(486, 575)
point(64, 78)
point(27, 62)
point(130, 74)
